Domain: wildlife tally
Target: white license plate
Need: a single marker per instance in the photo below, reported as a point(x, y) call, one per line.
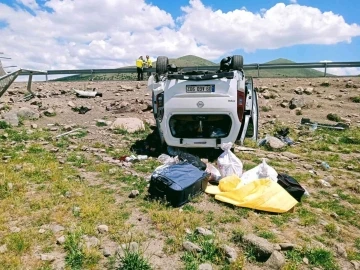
point(200, 88)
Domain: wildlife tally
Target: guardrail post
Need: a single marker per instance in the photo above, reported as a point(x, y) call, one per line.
point(258, 69)
point(325, 69)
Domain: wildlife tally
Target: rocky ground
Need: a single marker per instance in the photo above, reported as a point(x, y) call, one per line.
point(75, 201)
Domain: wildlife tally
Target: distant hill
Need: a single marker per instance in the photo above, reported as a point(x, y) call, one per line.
point(192, 60)
point(291, 72)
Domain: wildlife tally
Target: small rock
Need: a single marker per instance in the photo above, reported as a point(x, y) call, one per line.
point(308, 90)
point(356, 264)
point(107, 252)
point(324, 183)
point(263, 247)
point(91, 242)
point(275, 143)
point(266, 94)
point(34, 126)
point(15, 229)
point(42, 231)
point(57, 228)
point(189, 246)
point(47, 257)
point(341, 250)
point(60, 240)
point(129, 124)
point(203, 231)
point(287, 246)
point(71, 104)
point(102, 228)
point(276, 260)
point(306, 260)
point(11, 118)
point(308, 167)
point(49, 112)
point(113, 171)
point(28, 114)
point(205, 266)
point(284, 104)
point(299, 90)
point(230, 253)
point(334, 215)
point(3, 249)
point(297, 103)
point(10, 186)
point(134, 193)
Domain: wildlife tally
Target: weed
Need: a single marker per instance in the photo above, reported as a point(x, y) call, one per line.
point(307, 217)
point(355, 99)
point(210, 252)
point(331, 229)
point(317, 257)
point(133, 260)
point(120, 131)
point(333, 117)
point(280, 220)
point(4, 125)
point(101, 124)
point(265, 108)
point(18, 242)
point(79, 134)
point(357, 243)
point(321, 257)
point(267, 235)
point(75, 255)
point(237, 236)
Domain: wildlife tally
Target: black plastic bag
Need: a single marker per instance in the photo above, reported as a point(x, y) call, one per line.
point(194, 160)
point(291, 186)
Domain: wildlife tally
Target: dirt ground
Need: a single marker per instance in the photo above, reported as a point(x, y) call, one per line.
point(321, 96)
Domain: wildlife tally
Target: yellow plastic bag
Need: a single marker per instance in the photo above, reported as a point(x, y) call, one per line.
point(262, 194)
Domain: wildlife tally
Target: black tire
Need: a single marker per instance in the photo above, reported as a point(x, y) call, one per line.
point(161, 64)
point(237, 62)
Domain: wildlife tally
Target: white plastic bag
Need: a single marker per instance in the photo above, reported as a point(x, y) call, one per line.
point(261, 171)
point(215, 175)
point(167, 160)
point(228, 163)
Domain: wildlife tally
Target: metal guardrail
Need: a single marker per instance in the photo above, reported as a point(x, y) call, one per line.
point(257, 67)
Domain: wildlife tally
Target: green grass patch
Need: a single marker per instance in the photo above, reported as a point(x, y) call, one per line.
point(355, 99)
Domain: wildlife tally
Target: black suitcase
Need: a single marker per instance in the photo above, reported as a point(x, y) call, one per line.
point(291, 186)
point(177, 183)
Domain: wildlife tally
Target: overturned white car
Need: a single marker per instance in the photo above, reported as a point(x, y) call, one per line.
point(202, 108)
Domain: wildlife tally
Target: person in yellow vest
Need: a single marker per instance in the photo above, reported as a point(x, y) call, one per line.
point(148, 64)
point(139, 68)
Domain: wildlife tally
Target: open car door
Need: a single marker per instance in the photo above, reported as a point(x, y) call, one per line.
point(250, 123)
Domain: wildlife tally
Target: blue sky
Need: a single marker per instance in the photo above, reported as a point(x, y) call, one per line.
point(56, 34)
point(342, 51)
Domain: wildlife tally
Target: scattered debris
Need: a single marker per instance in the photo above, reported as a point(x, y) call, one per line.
point(81, 109)
point(80, 93)
point(67, 133)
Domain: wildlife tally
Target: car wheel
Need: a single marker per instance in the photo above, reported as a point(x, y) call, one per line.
point(161, 64)
point(237, 62)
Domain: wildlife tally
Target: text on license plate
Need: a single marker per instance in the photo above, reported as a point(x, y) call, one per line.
point(200, 88)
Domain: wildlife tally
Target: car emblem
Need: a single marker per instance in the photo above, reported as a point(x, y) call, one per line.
point(200, 104)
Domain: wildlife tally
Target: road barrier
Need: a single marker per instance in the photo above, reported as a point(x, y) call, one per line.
point(257, 67)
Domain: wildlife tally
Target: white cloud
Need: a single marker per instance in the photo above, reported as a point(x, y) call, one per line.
point(348, 71)
point(68, 34)
point(293, 1)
